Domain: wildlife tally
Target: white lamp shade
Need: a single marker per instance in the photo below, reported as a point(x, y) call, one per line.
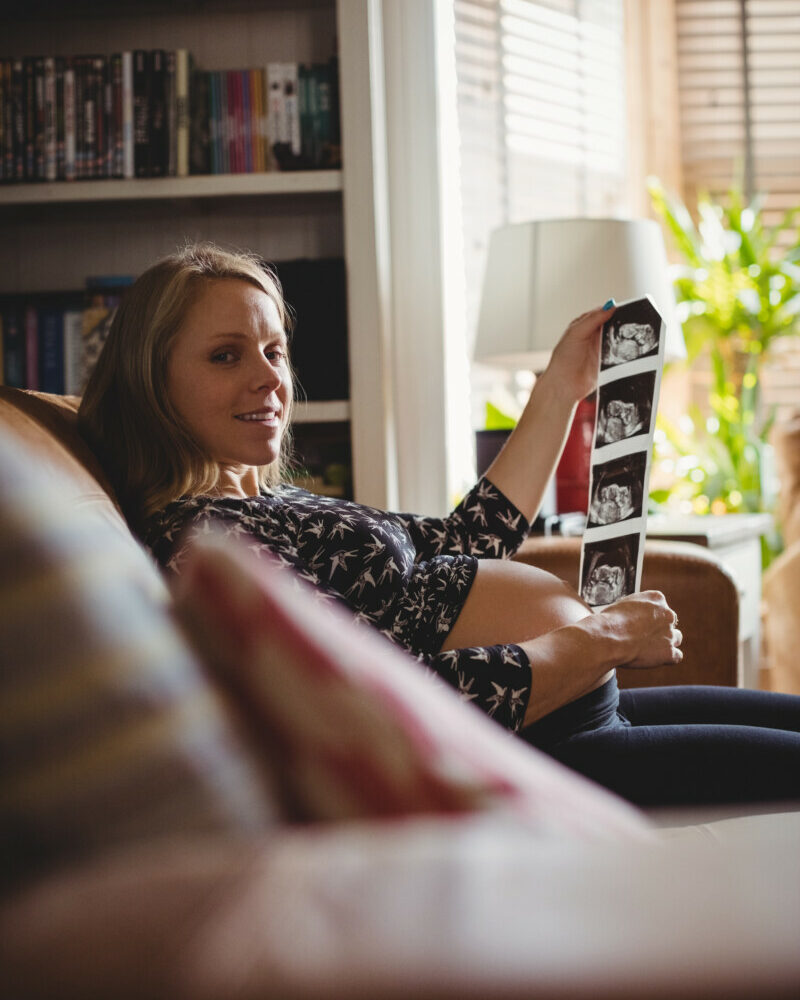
point(541, 275)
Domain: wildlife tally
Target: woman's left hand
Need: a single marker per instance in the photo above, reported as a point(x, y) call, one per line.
point(573, 365)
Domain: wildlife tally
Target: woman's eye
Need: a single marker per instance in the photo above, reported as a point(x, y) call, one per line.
point(222, 357)
point(275, 355)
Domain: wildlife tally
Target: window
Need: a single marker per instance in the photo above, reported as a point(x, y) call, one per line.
point(739, 92)
point(541, 107)
point(739, 95)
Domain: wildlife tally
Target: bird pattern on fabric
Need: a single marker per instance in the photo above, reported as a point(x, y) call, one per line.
point(406, 575)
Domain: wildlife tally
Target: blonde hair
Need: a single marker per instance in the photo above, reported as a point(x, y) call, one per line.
point(126, 414)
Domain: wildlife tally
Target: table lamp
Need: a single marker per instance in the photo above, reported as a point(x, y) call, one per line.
point(541, 275)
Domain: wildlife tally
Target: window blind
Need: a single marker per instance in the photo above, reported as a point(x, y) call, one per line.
point(542, 116)
point(739, 87)
point(739, 94)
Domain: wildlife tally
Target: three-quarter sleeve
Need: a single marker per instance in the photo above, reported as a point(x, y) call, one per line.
point(484, 524)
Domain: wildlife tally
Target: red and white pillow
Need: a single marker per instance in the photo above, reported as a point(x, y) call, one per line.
point(353, 727)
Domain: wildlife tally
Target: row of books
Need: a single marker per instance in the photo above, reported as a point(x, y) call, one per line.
point(50, 341)
point(151, 113)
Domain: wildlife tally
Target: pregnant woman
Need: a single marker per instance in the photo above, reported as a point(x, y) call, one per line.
point(188, 408)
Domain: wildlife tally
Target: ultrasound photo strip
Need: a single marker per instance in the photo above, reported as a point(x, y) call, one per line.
point(629, 380)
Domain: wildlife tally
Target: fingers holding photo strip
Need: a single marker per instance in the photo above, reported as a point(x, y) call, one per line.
point(629, 380)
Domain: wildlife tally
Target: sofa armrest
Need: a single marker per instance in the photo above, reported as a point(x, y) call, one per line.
point(700, 590)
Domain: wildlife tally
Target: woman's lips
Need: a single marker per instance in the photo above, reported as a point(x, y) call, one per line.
point(259, 417)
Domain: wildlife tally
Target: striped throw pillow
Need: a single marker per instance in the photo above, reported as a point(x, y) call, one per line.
point(110, 732)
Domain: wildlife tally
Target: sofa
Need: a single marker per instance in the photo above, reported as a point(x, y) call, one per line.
point(174, 824)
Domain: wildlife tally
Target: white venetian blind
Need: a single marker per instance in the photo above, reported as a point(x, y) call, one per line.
point(739, 84)
point(541, 107)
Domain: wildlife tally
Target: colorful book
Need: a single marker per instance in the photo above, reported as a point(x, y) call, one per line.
point(159, 147)
point(31, 321)
point(128, 142)
point(182, 112)
point(200, 119)
point(70, 155)
point(141, 113)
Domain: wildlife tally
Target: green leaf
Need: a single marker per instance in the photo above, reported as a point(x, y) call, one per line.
point(496, 420)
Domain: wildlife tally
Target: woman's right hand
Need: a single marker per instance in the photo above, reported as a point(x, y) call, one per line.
point(644, 628)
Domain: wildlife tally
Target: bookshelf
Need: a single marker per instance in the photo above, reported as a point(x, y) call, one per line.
point(56, 234)
point(275, 183)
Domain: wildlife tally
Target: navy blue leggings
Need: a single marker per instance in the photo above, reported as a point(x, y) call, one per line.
point(677, 746)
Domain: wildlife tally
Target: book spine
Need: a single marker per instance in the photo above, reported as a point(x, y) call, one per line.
point(80, 116)
point(7, 151)
point(99, 79)
point(324, 111)
point(213, 121)
point(236, 113)
point(158, 114)
point(32, 346)
point(108, 118)
point(70, 164)
point(90, 120)
point(292, 108)
point(14, 374)
point(18, 101)
point(304, 106)
point(50, 165)
point(200, 124)
point(117, 145)
point(226, 124)
point(30, 117)
point(266, 158)
point(60, 121)
point(171, 102)
point(3, 96)
point(141, 113)
point(51, 349)
point(335, 125)
point(39, 121)
point(182, 113)
point(254, 91)
point(277, 122)
point(128, 144)
point(73, 351)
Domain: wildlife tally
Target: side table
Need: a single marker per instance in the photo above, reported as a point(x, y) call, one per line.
point(735, 539)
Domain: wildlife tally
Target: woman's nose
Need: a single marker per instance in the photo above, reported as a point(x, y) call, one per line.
point(268, 375)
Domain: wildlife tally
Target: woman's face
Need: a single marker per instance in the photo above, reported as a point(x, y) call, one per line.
point(228, 375)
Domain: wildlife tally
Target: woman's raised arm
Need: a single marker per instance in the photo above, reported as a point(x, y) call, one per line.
point(523, 468)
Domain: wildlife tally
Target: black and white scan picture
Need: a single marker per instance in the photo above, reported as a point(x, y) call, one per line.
point(632, 333)
point(609, 569)
point(617, 489)
point(624, 408)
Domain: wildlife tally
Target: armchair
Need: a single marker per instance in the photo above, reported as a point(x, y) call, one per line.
point(700, 590)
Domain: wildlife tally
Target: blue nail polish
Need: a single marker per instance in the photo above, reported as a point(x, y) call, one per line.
point(609, 304)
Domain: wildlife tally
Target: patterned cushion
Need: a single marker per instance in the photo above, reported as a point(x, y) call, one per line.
point(353, 726)
point(109, 730)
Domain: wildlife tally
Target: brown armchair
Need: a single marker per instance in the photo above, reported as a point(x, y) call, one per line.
point(700, 590)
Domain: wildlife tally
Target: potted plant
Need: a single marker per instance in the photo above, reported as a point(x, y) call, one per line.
point(738, 291)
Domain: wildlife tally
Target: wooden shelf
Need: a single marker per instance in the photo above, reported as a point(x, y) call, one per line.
point(324, 412)
point(165, 188)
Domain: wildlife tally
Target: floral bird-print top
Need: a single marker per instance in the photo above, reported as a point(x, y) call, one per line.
point(406, 575)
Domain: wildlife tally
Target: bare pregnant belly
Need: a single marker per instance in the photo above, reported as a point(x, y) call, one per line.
point(512, 602)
